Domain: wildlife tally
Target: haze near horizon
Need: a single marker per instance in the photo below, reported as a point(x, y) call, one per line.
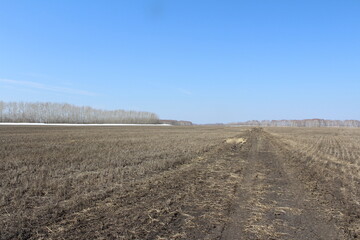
point(203, 61)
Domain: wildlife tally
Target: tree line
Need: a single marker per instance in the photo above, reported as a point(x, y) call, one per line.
point(46, 112)
point(176, 122)
point(300, 123)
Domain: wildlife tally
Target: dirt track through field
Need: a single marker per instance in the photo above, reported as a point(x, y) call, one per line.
point(271, 202)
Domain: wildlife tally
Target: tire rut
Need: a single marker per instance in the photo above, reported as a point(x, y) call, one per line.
point(271, 203)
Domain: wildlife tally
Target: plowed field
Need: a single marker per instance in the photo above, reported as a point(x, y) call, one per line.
point(179, 183)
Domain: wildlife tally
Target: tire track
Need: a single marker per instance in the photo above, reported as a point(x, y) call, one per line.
point(271, 202)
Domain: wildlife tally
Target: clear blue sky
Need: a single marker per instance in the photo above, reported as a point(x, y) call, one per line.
point(205, 61)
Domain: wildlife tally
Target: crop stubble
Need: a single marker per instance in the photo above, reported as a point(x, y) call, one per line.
point(112, 182)
point(178, 183)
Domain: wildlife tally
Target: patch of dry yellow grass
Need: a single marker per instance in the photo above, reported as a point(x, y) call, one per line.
point(236, 140)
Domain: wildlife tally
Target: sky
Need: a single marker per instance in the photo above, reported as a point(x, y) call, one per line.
point(204, 61)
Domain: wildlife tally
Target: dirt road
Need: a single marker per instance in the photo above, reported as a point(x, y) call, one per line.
point(271, 202)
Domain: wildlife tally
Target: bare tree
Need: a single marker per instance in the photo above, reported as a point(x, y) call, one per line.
point(2, 107)
point(67, 113)
point(301, 123)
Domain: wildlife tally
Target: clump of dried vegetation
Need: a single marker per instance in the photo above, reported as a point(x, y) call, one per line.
point(328, 160)
point(115, 182)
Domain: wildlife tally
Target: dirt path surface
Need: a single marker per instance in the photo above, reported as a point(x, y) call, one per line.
point(271, 202)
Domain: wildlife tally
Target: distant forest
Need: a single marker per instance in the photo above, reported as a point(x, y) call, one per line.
point(46, 112)
point(300, 123)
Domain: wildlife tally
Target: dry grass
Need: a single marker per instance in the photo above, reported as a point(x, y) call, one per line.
point(236, 140)
point(329, 159)
point(158, 182)
point(126, 182)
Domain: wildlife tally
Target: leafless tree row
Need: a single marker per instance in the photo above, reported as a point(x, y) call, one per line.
point(176, 122)
point(301, 123)
point(66, 113)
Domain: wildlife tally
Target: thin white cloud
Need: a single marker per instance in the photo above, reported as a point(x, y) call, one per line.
point(47, 87)
point(184, 91)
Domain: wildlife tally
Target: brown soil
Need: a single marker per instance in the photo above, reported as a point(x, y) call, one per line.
point(271, 202)
point(179, 183)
